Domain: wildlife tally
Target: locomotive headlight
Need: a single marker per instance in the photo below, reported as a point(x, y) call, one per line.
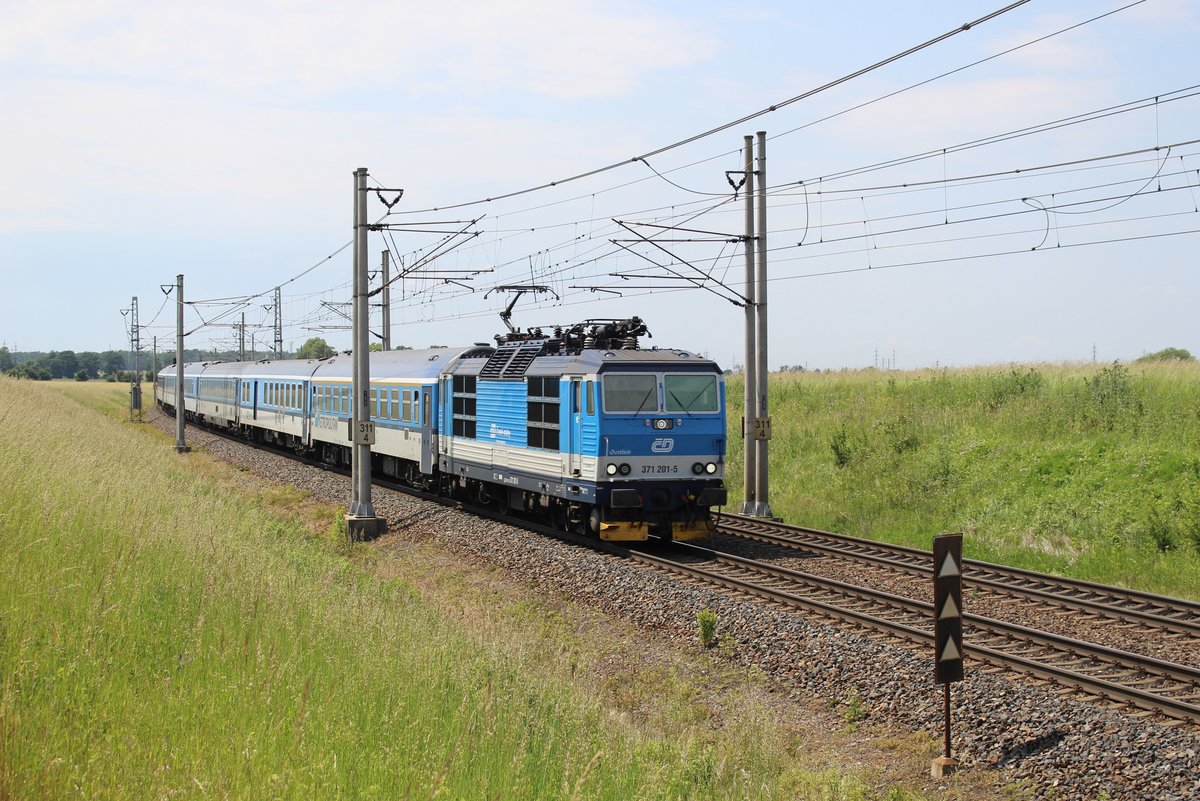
point(625, 469)
point(662, 424)
point(698, 468)
point(710, 468)
point(611, 470)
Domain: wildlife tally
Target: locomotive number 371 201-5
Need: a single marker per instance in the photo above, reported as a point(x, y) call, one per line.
point(659, 468)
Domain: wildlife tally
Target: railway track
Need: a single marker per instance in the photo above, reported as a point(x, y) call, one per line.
point(1093, 672)
point(1173, 615)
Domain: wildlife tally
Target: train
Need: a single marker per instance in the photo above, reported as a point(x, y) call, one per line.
point(580, 427)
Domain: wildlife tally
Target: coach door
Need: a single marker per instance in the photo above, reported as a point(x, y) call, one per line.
point(255, 399)
point(575, 428)
point(428, 442)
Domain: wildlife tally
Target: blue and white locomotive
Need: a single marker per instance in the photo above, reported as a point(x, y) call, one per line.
point(580, 427)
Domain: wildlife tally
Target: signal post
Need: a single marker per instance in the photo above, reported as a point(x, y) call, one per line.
point(947, 633)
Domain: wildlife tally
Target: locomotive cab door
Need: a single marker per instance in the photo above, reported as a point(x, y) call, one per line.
point(574, 433)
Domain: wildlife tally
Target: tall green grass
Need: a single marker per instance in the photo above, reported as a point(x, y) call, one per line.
point(163, 636)
point(1086, 470)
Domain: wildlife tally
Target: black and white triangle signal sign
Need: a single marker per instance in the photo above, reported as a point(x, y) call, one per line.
point(947, 608)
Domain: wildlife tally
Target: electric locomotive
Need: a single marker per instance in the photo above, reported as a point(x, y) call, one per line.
point(587, 428)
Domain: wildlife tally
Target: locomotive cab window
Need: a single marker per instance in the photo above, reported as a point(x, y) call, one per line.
point(630, 393)
point(690, 392)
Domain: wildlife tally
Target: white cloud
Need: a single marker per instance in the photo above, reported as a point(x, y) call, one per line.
point(227, 104)
point(562, 49)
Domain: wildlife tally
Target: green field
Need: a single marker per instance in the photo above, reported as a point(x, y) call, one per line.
point(1085, 470)
point(171, 627)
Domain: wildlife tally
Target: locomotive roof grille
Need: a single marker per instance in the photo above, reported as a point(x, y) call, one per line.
point(512, 359)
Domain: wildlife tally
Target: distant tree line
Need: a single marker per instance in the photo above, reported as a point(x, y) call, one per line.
point(117, 365)
point(112, 365)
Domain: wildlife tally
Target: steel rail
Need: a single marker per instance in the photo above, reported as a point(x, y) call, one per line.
point(1132, 606)
point(1180, 701)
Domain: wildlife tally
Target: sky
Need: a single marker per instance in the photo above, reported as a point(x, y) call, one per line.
point(1013, 193)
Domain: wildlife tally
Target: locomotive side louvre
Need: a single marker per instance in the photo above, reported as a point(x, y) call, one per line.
point(515, 432)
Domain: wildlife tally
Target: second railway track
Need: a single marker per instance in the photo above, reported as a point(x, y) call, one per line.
point(1175, 615)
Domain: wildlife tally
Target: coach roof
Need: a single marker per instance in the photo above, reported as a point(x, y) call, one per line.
point(425, 364)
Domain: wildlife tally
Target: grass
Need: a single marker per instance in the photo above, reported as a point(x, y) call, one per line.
point(1085, 470)
point(172, 627)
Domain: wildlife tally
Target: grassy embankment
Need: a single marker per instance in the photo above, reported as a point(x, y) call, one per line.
point(170, 627)
point(1085, 470)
